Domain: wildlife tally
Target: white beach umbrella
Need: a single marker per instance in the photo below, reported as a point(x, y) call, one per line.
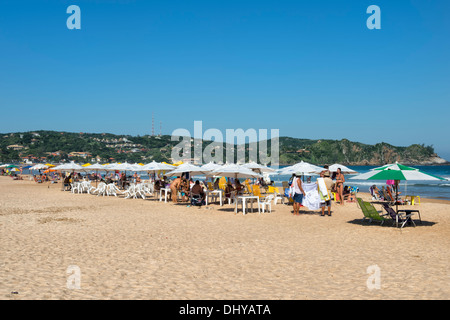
point(38, 166)
point(303, 167)
point(69, 167)
point(137, 167)
point(344, 169)
point(158, 166)
point(110, 167)
point(211, 166)
point(95, 167)
point(234, 171)
point(258, 167)
point(187, 167)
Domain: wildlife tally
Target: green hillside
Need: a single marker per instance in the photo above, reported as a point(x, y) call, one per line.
point(52, 146)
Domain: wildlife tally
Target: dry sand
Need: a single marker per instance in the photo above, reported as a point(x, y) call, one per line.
point(146, 249)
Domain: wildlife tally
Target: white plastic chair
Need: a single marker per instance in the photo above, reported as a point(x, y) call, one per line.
point(267, 202)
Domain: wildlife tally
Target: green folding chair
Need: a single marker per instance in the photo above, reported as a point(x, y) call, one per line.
point(371, 213)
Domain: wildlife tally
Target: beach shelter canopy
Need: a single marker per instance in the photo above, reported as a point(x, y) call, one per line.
point(234, 171)
point(187, 167)
point(344, 169)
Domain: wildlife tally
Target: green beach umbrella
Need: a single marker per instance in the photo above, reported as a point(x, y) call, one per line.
point(397, 172)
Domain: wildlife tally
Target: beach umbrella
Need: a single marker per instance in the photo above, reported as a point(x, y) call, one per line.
point(258, 167)
point(234, 171)
point(211, 166)
point(344, 169)
point(95, 167)
point(69, 167)
point(193, 170)
point(137, 167)
point(397, 172)
point(154, 167)
point(158, 166)
point(38, 166)
point(305, 168)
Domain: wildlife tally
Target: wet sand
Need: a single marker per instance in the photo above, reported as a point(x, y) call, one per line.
point(146, 249)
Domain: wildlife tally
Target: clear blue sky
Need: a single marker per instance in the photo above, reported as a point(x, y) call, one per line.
point(309, 68)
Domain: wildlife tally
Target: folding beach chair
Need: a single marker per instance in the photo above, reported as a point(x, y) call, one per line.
point(402, 216)
point(370, 212)
point(361, 205)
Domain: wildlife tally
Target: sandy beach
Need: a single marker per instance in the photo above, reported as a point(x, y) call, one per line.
point(146, 249)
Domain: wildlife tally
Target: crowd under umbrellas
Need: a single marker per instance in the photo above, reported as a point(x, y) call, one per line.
point(156, 170)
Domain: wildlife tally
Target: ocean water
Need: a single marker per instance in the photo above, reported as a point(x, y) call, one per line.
point(424, 189)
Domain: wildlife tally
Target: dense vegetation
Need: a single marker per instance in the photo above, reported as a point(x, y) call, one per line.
point(106, 147)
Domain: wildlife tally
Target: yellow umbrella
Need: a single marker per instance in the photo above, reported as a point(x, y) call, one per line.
point(86, 164)
point(49, 165)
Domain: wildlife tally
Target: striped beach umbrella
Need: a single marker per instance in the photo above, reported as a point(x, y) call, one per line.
point(397, 172)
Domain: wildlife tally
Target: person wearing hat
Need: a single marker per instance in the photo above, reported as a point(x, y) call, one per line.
point(325, 174)
point(298, 192)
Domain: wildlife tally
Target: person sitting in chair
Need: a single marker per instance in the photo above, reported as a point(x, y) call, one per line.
point(198, 190)
point(228, 190)
point(238, 187)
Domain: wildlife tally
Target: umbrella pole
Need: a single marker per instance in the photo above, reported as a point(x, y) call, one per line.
point(396, 195)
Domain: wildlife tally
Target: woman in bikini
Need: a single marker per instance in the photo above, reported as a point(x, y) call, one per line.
point(340, 179)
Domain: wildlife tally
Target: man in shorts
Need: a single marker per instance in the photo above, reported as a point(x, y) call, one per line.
point(325, 174)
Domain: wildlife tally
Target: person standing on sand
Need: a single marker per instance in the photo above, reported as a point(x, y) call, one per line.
point(298, 193)
point(174, 186)
point(325, 174)
point(340, 179)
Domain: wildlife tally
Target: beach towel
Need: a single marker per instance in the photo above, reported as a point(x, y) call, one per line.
point(311, 199)
point(323, 191)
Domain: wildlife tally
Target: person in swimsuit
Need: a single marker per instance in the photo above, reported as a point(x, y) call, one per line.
point(340, 179)
point(174, 186)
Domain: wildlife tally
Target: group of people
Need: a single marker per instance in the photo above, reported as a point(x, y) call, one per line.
point(187, 188)
point(334, 183)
